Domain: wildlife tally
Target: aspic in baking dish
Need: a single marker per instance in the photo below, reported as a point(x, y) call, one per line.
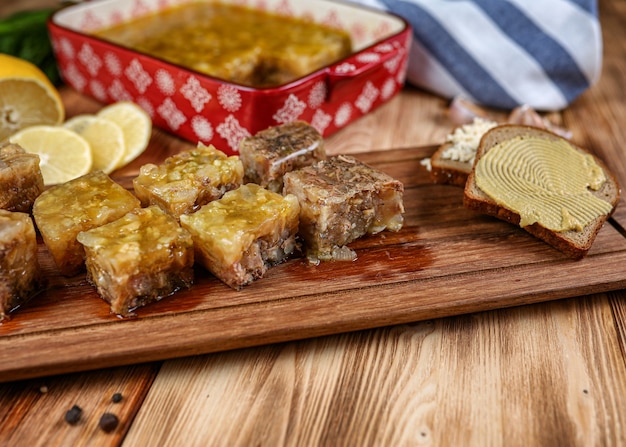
point(201, 108)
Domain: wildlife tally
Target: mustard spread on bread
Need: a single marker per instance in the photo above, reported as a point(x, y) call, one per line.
point(545, 181)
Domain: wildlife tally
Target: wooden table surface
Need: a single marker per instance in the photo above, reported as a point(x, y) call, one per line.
point(550, 374)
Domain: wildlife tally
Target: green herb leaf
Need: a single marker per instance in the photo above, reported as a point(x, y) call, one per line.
point(25, 35)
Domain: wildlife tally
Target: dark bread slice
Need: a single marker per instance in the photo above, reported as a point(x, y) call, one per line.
point(574, 244)
point(448, 172)
point(444, 169)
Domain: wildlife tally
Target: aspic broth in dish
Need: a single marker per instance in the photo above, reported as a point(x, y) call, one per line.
point(239, 44)
point(205, 108)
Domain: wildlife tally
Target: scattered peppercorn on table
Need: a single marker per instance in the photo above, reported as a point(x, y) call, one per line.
point(546, 373)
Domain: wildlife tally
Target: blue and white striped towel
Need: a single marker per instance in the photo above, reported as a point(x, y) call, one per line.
point(503, 53)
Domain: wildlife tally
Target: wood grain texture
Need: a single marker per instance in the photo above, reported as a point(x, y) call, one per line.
point(517, 377)
point(33, 411)
point(598, 119)
point(547, 374)
point(544, 374)
point(431, 268)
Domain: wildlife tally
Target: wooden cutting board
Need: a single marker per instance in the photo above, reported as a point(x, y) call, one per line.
point(445, 261)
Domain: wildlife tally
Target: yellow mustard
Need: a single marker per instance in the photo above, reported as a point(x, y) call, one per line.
point(543, 180)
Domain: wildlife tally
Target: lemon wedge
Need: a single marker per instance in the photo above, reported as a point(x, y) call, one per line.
point(27, 97)
point(105, 138)
point(136, 126)
point(63, 154)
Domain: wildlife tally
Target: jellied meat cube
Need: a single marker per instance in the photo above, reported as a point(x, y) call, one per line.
point(20, 275)
point(139, 258)
point(186, 181)
point(272, 152)
point(241, 235)
point(65, 210)
point(20, 178)
point(342, 199)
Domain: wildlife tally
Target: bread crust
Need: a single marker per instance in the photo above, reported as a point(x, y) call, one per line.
point(575, 244)
point(448, 172)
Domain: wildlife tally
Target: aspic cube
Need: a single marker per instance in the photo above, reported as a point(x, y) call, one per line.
point(65, 210)
point(20, 178)
point(342, 199)
point(186, 181)
point(240, 236)
point(271, 153)
point(139, 258)
point(20, 275)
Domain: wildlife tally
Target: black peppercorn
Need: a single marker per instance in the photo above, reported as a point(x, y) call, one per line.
point(72, 416)
point(117, 397)
point(108, 422)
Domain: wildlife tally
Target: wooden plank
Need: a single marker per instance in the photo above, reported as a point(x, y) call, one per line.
point(523, 376)
point(511, 376)
point(33, 411)
point(432, 268)
point(597, 119)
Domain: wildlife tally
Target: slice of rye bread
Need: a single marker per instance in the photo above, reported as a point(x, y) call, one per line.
point(448, 172)
point(574, 244)
point(453, 160)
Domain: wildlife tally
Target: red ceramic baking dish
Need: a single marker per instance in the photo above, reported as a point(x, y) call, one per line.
point(201, 108)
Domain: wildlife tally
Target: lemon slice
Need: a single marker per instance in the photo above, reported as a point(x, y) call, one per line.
point(27, 97)
point(105, 138)
point(136, 125)
point(63, 154)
